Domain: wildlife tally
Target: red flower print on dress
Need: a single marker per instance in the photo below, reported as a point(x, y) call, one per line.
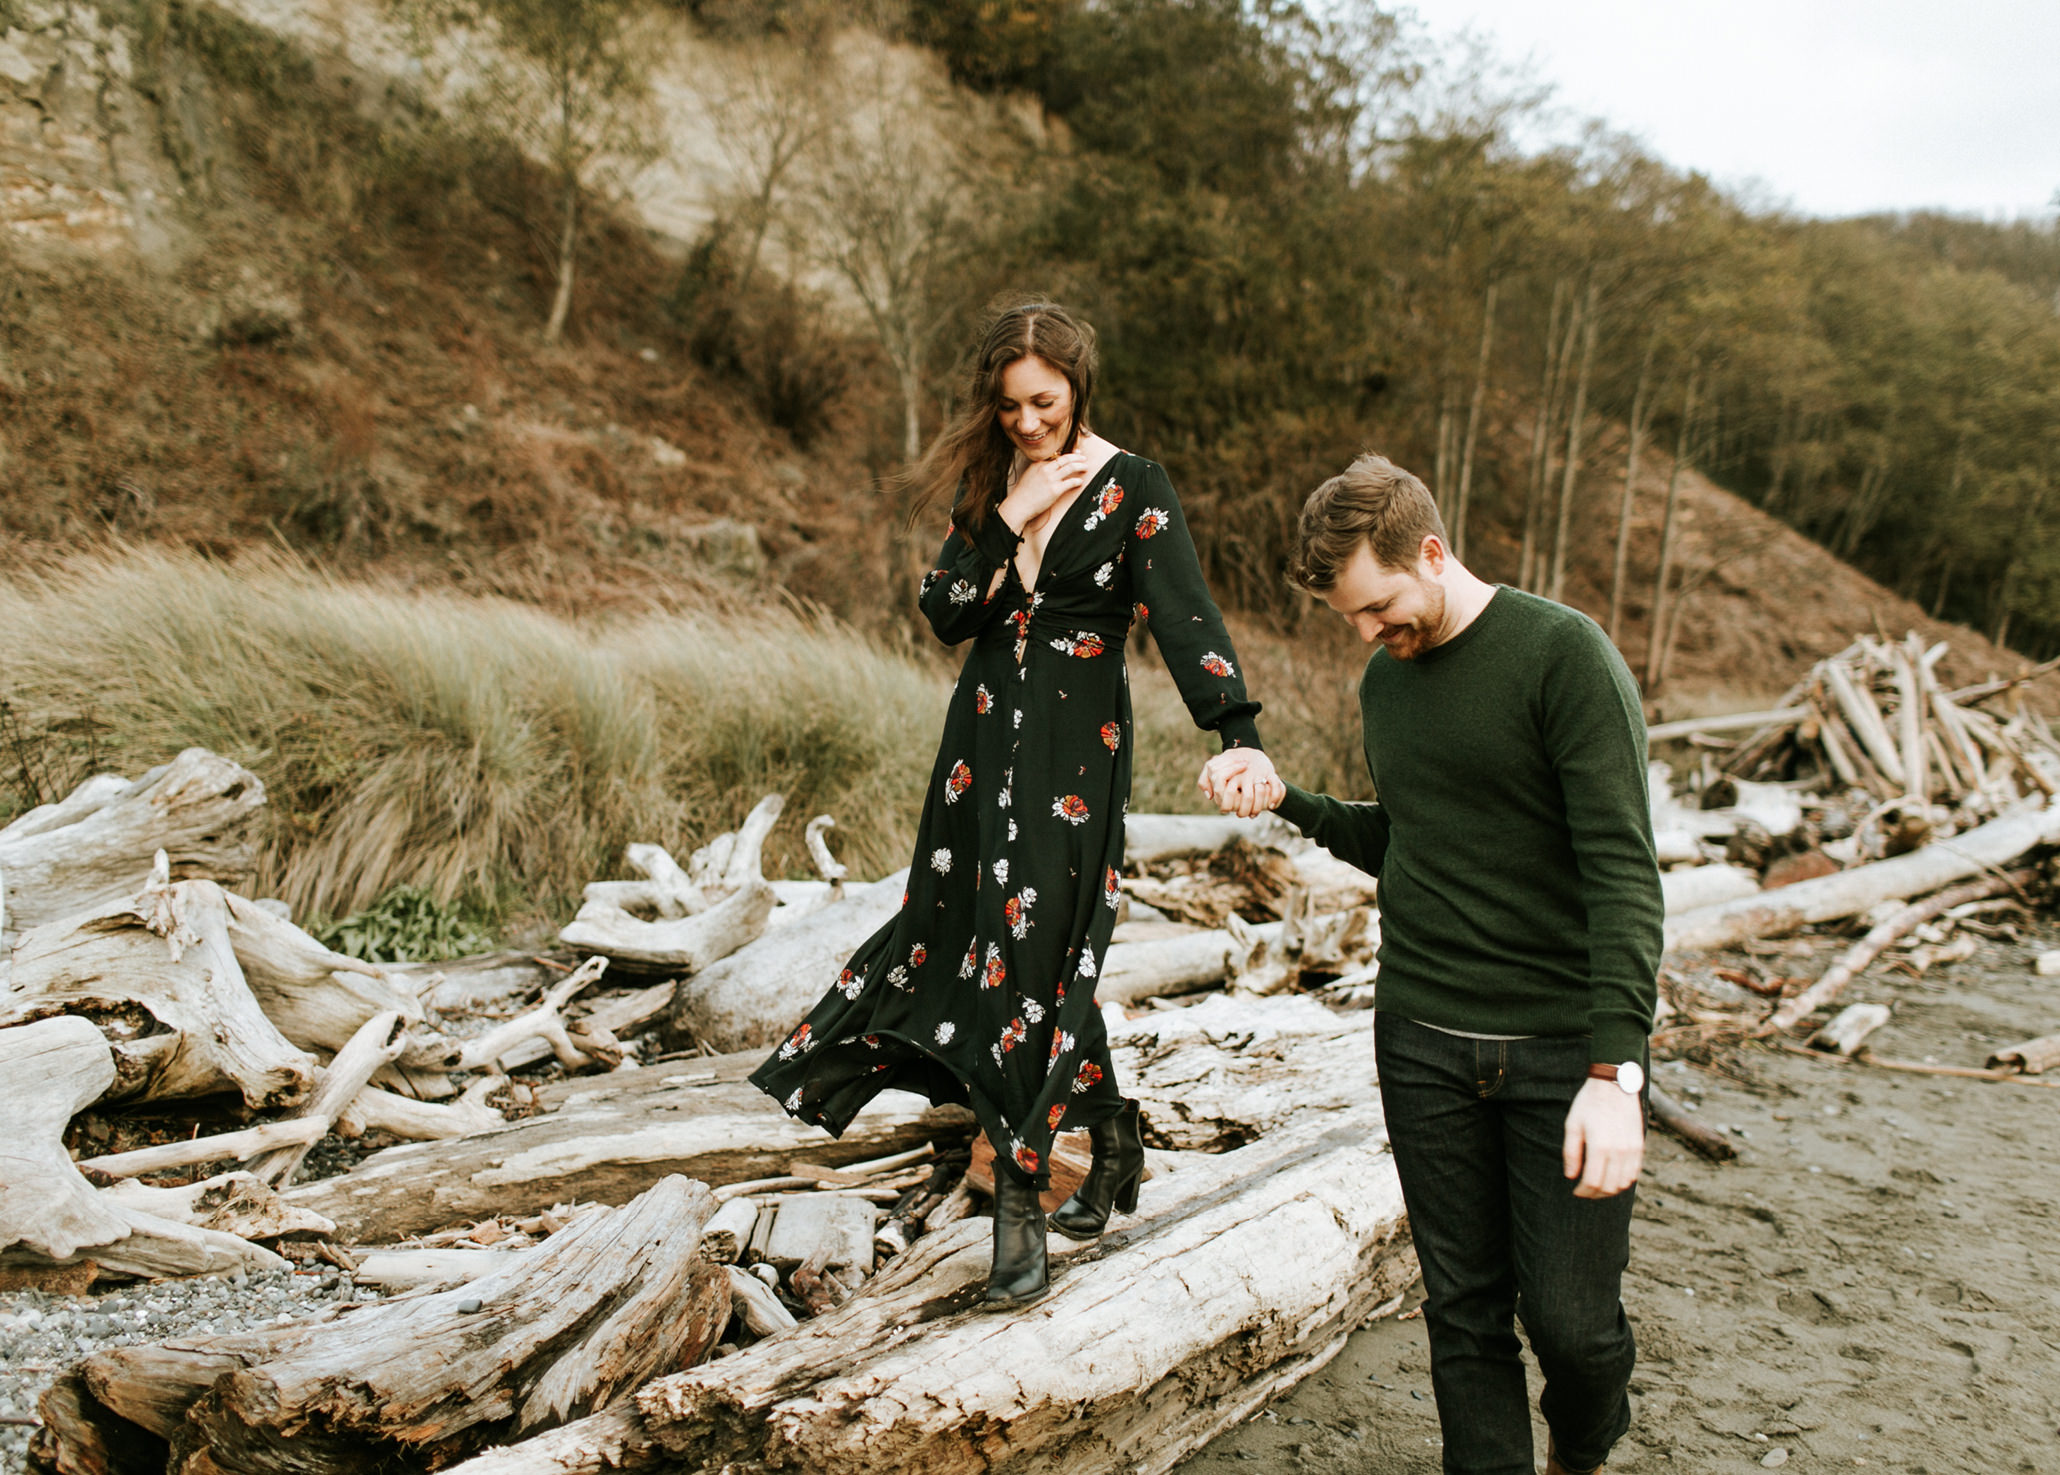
point(1106, 501)
point(1061, 1042)
point(971, 963)
point(849, 983)
point(1053, 1117)
point(997, 972)
point(1112, 889)
point(796, 1043)
point(1141, 612)
point(1150, 522)
point(1072, 809)
point(1112, 734)
point(917, 955)
point(983, 700)
point(1016, 911)
point(1215, 665)
point(1026, 1159)
point(1089, 1077)
point(961, 780)
point(1082, 644)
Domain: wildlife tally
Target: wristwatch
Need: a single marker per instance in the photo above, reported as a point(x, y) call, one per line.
point(1630, 1076)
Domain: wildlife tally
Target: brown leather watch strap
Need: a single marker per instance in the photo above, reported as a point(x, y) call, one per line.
point(1602, 1072)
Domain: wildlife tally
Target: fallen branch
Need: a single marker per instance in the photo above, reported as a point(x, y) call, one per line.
point(1855, 959)
point(1673, 1116)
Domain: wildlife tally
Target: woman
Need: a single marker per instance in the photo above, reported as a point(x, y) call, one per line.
point(981, 990)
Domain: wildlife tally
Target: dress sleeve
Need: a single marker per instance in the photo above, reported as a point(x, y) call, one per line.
point(954, 593)
point(1173, 600)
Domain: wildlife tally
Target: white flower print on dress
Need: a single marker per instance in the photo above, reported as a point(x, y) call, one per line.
point(1012, 829)
point(1071, 808)
point(1215, 665)
point(940, 860)
point(1150, 522)
point(1016, 912)
point(794, 1100)
point(983, 699)
point(971, 964)
point(1032, 1010)
point(1061, 1042)
point(962, 592)
point(898, 976)
point(1019, 717)
point(850, 984)
point(1087, 960)
point(945, 1032)
point(1105, 573)
point(1001, 871)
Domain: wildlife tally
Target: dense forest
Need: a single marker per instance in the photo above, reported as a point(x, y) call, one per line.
point(1294, 222)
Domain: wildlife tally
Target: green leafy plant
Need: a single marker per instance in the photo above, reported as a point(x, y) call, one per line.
point(406, 925)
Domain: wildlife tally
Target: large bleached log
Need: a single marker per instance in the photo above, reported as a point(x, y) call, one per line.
point(555, 1334)
point(318, 998)
point(1148, 838)
point(609, 1138)
point(1240, 1275)
point(752, 998)
point(1851, 892)
point(94, 850)
point(159, 975)
point(665, 893)
point(1229, 1070)
point(49, 1213)
point(1701, 886)
point(241, 1204)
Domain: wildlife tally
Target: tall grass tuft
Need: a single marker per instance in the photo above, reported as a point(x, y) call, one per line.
point(479, 749)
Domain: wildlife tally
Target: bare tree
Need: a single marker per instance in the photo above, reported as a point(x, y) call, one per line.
point(1641, 418)
point(888, 207)
point(1557, 583)
point(1473, 423)
point(568, 82)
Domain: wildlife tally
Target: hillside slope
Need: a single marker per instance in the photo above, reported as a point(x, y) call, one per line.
point(237, 313)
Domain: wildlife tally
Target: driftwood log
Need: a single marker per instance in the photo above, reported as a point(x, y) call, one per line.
point(1848, 1029)
point(2032, 1057)
point(1240, 1275)
point(752, 998)
point(717, 905)
point(1673, 1116)
point(158, 973)
point(94, 849)
point(608, 1138)
point(49, 1214)
point(554, 1334)
point(316, 997)
point(1851, 892)
point(1150, 838)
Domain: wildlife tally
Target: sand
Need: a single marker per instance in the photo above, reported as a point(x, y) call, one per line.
point(1874, 1284)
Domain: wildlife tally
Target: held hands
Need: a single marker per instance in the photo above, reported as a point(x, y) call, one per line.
point(1605, 1140)
point(1241, 781)
point(1042, 484)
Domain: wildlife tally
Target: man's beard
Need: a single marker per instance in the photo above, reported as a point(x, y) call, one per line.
point(1424, 632)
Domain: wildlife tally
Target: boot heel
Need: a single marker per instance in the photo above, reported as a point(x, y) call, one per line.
point(1126, 1193)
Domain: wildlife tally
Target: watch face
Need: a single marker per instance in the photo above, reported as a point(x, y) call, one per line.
point(1631, 1077)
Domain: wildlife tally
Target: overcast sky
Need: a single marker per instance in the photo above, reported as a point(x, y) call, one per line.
point(1836, 106)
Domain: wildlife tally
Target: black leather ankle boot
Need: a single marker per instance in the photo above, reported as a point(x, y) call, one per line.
point(1020, 1274)
point(1112, 1182)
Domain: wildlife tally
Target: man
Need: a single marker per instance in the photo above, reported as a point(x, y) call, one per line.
point(1520, 941)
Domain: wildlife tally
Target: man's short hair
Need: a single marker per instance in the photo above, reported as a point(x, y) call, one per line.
point(1374, 502)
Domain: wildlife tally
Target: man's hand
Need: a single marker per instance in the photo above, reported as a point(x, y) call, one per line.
point(1605, 1140)
point(1241, 781)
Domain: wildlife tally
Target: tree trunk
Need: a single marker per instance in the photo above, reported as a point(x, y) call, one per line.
point(561, 300)
point(1630, 496)
point(1473, 425)
point(94, 850)
point(1557, 585)
point(1655, 622)
point(1541, 431)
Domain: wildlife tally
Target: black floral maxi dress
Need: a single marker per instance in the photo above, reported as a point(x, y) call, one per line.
point(981, 989)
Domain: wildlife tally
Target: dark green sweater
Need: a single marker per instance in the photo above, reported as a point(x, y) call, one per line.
point(1512, 835)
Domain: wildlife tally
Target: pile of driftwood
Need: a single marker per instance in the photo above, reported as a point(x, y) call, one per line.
point(1872, 793)
point(627, 1254)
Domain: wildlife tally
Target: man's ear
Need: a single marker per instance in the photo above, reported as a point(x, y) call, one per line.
point(1432, 553)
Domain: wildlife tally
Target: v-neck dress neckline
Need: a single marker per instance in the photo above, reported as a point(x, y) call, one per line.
point(1085, 493)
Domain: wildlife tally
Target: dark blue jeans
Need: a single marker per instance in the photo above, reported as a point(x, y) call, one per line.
point(1476, 1127)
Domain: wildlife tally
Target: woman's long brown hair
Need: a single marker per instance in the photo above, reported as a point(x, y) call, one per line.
point(969, 460)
